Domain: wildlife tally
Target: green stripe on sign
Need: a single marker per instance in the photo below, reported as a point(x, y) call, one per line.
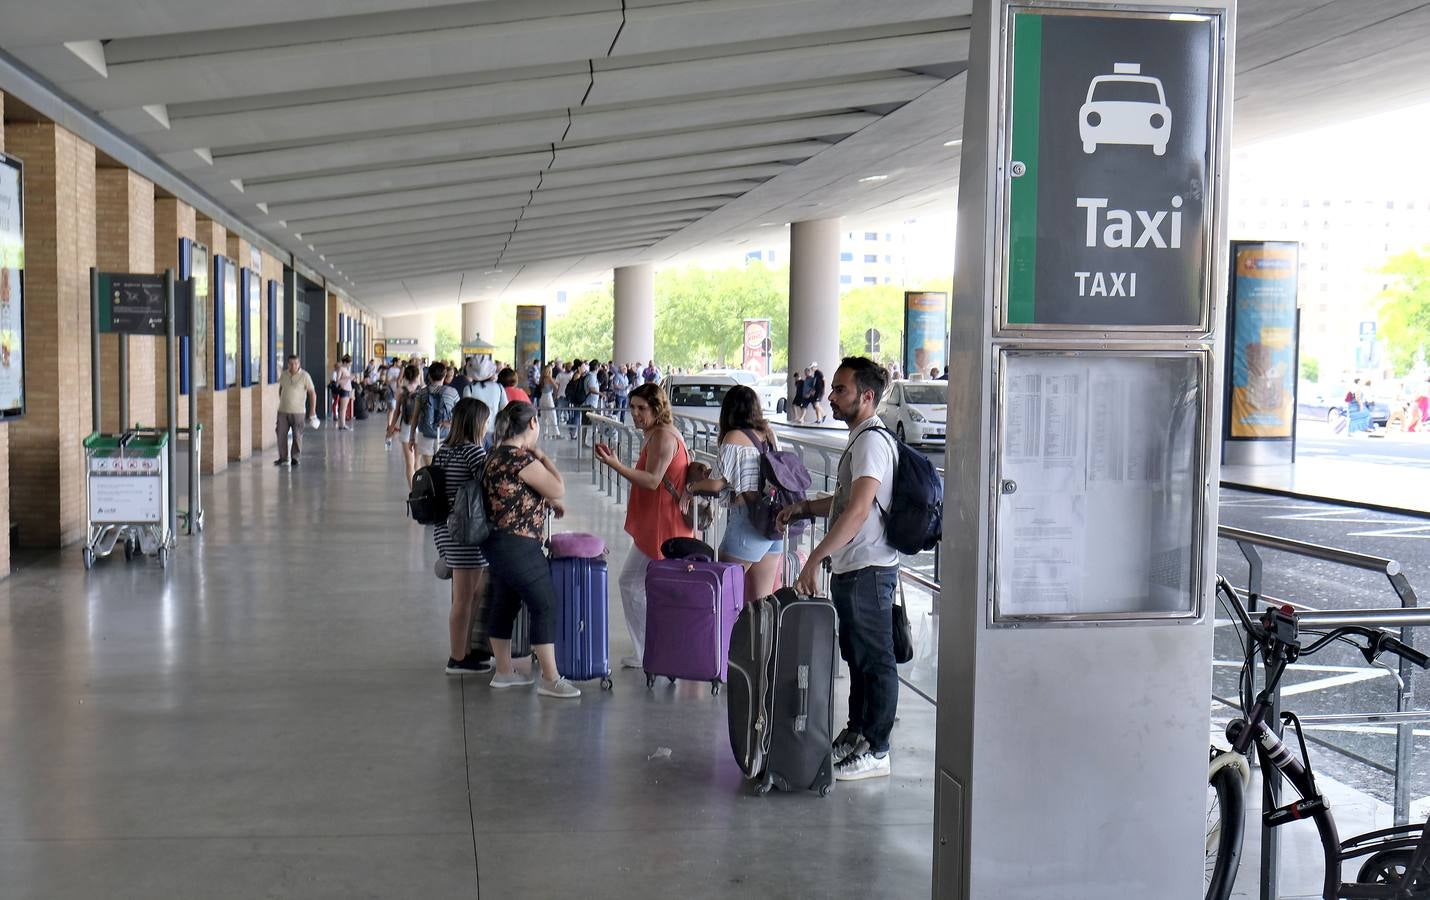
point(1023, 199)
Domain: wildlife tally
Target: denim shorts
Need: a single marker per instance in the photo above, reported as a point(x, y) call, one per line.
point(742, 541)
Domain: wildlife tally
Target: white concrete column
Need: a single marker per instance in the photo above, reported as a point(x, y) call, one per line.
point(814, 298)
point(479, 318)
point(635, 314)
point(419, 326)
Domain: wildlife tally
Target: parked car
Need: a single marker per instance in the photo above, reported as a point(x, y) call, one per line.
point(741, 376)
point(700, 394)
point(916, 411)
point(773, 390)
point(1326, 403)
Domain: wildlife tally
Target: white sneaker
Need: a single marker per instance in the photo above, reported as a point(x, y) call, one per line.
point(515, 678)
point(560, 688)
point(631, 662)
point(862, 765)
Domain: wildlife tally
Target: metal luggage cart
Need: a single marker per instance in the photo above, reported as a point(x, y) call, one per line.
point(127, 481)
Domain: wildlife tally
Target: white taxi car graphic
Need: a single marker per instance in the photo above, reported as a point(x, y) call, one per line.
point(1125, 107)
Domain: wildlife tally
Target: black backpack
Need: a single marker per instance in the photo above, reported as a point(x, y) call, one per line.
point(427, 501)
point(914, 520)
point(468, 524)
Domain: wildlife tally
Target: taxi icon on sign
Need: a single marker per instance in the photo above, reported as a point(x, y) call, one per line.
point(1126, 108)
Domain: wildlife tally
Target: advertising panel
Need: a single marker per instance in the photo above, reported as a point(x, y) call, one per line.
point(925, 332)
point(1262, 336)
point(12, 289)
point(530, 335)
point(755, 348)
point(277, 345)
point(253, 329)
point(132, 304)
point(1109, 159)
point(226, 314)
point(202, 275)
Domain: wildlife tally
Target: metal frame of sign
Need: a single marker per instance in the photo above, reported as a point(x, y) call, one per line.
point(1003, 202)
point(998, 426)
point(275, 323)
point(17, 412)
point(246, 375)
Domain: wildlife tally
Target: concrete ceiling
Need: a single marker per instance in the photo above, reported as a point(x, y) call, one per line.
point(403, 148)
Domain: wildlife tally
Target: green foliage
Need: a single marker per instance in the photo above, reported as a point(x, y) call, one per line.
point(700, 313)
point(881, 307)
point(1404, 312)
point(587, 331)
point(448, 336)
point(1311, 369)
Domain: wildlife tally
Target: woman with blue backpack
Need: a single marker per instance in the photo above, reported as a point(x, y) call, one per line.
point(749, 477)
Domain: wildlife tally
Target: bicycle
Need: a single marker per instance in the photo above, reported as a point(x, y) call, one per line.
point(1398, 863)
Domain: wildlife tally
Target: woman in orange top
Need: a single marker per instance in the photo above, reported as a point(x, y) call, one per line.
point(653, 513)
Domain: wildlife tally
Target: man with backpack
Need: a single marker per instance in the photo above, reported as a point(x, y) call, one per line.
point(865, 568)
point(432, 415)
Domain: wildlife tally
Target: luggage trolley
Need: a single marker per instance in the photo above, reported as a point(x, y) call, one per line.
point(127, 480)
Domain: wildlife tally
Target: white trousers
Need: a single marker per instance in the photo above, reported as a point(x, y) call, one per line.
point(633, 600)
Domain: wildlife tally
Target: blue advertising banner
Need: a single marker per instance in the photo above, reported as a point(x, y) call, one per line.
point(226, 306)
point(530, 335)
point(925, 332)
point(1263, 340)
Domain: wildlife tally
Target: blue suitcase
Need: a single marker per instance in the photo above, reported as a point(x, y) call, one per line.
point(582, 623)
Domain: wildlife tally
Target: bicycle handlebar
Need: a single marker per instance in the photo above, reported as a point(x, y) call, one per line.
point(1378, 641)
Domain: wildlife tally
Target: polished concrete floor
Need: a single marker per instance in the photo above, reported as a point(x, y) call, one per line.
point(270, 718)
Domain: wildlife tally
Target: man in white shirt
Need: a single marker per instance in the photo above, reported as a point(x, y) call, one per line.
point(865, 568)
point(297, 400)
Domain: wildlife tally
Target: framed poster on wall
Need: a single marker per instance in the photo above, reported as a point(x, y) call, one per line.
point(202, 274)
point(276, 357)
point(251, 328)
point(12, 289)
point(226, 307)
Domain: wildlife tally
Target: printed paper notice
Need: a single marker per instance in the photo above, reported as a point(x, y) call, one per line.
point(1044, 442)
point(1043, 536)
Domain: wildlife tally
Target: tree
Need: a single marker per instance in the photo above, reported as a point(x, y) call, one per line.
point(700, 313)
point(1404, 312)
point(1311, 369)
point(880, 307)
point(448, 339)
point(586, 331)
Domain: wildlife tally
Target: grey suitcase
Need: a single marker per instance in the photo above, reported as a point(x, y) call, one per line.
point(781, 703)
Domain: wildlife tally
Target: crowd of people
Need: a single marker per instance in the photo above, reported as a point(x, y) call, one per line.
point(484, 422)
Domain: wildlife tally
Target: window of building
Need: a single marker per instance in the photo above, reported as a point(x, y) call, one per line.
point(888, 259)
point(845, 279)
point(871, 257)
point(870, 279)
point(846, 257)
point(752, 256)
point(887, 279)
point(888, 236)
point(871, 235)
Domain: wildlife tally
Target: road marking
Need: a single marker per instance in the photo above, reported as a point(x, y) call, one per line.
point(1322, 684)
point(1420, 532)
point(1305, 667)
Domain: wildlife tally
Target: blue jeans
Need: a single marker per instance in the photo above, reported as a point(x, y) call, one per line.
point(864, 600)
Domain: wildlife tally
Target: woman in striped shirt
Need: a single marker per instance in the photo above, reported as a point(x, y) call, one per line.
point(736, 478)
point(461, 459)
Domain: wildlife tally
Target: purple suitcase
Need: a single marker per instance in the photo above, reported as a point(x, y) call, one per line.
point(691, 607)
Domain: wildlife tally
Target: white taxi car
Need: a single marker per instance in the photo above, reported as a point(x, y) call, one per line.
point(1125, 107)
point(916, 411)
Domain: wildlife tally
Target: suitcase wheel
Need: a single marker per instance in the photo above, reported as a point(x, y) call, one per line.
point(764, 786)
point(606, 683)
point(650, 681)
point(715, 688)
point(824, 789)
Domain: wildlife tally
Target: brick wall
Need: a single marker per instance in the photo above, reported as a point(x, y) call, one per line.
point(240, 399)
point(173, 219)
point(213, 405)
point(46, 454)
point(124, 229)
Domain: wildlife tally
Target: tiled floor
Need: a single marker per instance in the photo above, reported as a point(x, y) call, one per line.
point(269, 718)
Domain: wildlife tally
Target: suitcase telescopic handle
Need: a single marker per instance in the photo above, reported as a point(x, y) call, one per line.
point(801, 721)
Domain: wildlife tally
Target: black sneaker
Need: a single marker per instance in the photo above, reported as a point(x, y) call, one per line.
point(280, 462)
point(469, 666)
point(293, 461)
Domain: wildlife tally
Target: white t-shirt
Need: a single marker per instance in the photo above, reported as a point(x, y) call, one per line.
point(871, 456)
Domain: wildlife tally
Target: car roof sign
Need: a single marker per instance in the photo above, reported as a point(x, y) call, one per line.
point(1127, 68)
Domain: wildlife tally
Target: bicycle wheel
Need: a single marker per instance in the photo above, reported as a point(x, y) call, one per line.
point(1226, 817)
point(1388, 867)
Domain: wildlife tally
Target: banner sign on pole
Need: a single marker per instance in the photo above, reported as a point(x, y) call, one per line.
point(1112, 145)
point(131, 304)
point(530, 335)
point(1262, 334)
point(754, 357)
point(12, 289)
point(925, 332)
